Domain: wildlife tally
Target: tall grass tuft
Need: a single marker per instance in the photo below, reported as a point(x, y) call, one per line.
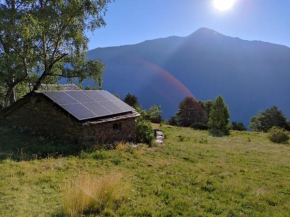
point(92, 195)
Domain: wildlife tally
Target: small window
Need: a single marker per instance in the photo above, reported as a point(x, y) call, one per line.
point(117, 127)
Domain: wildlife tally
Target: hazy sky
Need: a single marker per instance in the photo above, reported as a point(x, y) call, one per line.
point(134, 21)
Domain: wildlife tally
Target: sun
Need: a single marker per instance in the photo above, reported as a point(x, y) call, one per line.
point(223, 5)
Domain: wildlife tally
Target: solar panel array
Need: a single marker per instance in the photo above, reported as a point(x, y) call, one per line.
point(88, 104)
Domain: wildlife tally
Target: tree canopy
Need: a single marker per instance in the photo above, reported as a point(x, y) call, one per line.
point(206, 105)
point(154, 114)
point(131, 100)
point(43, 41)
point(190, 112)
point(267, 119)
point(219, 118)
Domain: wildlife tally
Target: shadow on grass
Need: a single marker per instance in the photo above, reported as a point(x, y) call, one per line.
point(23, 145)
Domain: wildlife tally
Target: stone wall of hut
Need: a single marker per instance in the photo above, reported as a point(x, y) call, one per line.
point(41, 116)
point(110, 132)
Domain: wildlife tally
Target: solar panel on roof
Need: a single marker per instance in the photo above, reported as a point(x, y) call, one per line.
point(79, 96)
point(97, 109)
point(111, 107)
point(95, 96)
point(89, 104)
point(107, 95)
point(79, 111)
point(122, 105)
point(60, 97)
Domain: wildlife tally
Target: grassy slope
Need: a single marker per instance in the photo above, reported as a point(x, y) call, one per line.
point(240, 175)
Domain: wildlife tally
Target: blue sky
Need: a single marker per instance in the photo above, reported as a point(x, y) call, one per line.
point(134, 21)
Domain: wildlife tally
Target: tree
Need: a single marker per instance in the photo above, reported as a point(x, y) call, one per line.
point(16, 56)
point(131, 100)
point(219, 118)
point(239, 126)
point(47, 38)
point(265, 120)
point(190, 112)
point(206, 105)
point(154, 114)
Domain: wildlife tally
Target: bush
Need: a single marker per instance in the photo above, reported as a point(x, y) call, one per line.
point(199, 126)
point(98, 155)
point(278, 135)
point(92, 195)
point(288, 126)
point(238, 126)
point(144, 132)
point(172, 121)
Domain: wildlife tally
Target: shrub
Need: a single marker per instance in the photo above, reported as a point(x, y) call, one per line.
point(278, 135)
point(98, 155)
point(239, 126)
point(288, 126)
point(92, 195)
point(199, 126)
point(144, 132)
point(172, 121)
point(116, 161)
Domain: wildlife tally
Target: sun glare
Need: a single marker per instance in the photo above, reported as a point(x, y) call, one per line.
point(224, 5)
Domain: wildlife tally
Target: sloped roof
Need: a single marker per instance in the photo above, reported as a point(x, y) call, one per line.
point(88, 104)
point(51, 87)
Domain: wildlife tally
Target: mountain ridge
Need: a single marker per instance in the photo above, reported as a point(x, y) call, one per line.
point(175, 36)
point(204, 64)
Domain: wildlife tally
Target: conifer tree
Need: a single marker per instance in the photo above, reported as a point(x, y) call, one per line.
point(131, 100)
point(219, 118)
point(190, 112)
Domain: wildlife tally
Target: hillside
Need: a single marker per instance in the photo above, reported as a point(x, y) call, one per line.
point(251, 75)
point(193, 174)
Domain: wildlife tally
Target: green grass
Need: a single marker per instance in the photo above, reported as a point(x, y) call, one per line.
point(192, 174)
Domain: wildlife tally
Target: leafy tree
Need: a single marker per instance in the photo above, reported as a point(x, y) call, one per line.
point(47, 38)
point(265, 120)
point(154, 114)
point(219, 118)
point(239, 126)
point(190, 112)
point(131, 100)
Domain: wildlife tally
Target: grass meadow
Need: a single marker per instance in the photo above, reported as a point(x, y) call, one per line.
point(192, 174)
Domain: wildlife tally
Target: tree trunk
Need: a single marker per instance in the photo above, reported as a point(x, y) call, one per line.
point(10, 96)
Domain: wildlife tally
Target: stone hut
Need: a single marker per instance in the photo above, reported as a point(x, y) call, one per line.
point(76, 115)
